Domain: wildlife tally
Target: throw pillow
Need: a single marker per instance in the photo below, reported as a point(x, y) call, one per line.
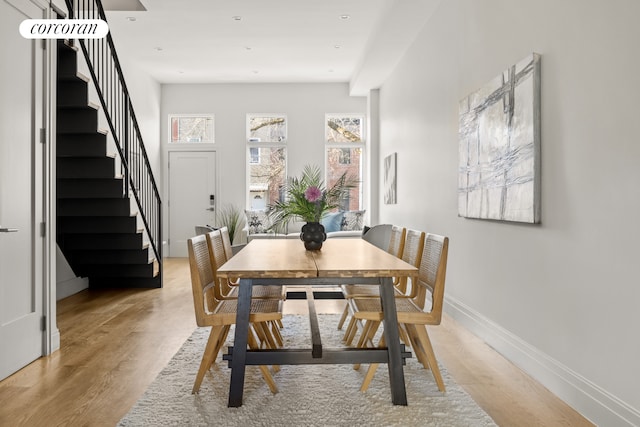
point(257, 221)
point(332, 222)
point(352, 221)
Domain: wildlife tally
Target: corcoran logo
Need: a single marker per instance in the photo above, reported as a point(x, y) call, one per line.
point(63, 29)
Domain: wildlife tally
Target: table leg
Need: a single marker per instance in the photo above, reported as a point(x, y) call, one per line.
point(236, 386)
point(392, 337)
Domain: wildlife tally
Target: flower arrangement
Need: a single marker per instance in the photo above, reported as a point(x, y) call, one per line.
point(308, 199)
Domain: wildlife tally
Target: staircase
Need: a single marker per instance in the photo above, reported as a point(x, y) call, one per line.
point(96, 229)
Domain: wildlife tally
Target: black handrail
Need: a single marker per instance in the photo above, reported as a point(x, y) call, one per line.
point(108, 79)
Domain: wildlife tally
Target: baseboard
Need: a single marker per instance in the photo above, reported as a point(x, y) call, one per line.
point(590, 400)
point(69, 287)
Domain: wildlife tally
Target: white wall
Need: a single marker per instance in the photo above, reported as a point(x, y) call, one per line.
point(304, 104)
point(560, 298)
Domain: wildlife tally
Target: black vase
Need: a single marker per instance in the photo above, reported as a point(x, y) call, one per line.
point(313, 235)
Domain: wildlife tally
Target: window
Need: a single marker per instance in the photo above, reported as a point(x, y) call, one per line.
point(267, 159)
point(344, 129)
point(254, 155)
point(344, 147)
point(345, 156)
point(266, 128)
point(191, 128)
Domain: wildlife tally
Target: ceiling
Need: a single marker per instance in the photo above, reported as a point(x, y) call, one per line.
point(221, 41)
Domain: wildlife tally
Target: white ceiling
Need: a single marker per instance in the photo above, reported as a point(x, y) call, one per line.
point(199, 41)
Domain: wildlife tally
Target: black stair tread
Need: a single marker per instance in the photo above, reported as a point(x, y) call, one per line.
point(87, 156)
point(63, 77)
point(67, 44)
point(108, 256)
point(90, 105)
point(97, 224)
point(99, 130)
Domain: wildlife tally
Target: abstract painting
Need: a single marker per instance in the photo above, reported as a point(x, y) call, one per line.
point(499, 147)
point(390, 163)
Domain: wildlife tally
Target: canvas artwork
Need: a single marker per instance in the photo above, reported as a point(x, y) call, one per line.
point(499, 147)
point(390, 179)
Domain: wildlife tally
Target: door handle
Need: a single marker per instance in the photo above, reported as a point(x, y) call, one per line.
point(211, 209)
point(7, 230)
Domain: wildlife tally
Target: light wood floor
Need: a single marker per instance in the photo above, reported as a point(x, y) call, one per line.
point(114, 343)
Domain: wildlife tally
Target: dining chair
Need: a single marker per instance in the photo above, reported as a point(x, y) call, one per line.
point(221, 314)
point(411, 311)
point(396, 247)
point(261, 291)
point(225, 289)
point(411, 254)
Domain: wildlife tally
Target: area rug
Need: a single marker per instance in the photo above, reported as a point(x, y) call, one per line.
point(309, 395)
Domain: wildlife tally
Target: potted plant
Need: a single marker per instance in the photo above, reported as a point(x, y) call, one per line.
point(308, 199)
point(230, 216)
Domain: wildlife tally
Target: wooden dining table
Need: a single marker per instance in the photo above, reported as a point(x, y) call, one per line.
point(285, 262)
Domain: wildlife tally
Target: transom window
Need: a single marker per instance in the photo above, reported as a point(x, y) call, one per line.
point(196, 128)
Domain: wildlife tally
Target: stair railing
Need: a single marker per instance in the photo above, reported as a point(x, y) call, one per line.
point(108, 80)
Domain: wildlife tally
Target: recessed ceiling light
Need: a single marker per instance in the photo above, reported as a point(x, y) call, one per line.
point(345, 17)
point(247, 48)
point(237, 18)
point(255, 71)
point(159, 49)
point(131, 18)
point(337, 46)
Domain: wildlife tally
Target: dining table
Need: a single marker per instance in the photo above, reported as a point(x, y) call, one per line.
point(285, 262)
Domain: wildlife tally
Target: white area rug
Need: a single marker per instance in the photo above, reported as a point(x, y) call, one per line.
point(309, 395)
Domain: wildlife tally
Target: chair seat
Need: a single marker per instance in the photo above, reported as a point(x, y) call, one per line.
point(365, 291)
point(359, 291)
point(262, 310)
point(260, 292)
point(407, 311)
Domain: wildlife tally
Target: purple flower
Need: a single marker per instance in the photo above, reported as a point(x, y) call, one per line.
point(313, 194)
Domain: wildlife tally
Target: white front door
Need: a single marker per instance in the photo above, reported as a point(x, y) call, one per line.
point(192, 183)
point(21, 186)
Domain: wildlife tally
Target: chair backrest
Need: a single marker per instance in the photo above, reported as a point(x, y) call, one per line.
point(217, 257)
point(203, 229)
point(379, 235)
point(202, 278)
point(226, 241)
point(412, 254)
point(396, 241)
point(431, 277)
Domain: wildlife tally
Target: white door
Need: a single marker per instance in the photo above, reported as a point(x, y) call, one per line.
point(192, 183)
point(21, 185)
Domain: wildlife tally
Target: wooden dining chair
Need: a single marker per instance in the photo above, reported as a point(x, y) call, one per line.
point(221, 314)
point(225, 289)
point(411, 254)
point(396, 247)
point(224, 254)
point(411, 311)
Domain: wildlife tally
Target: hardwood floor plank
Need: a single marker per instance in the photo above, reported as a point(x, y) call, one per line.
point(115, 342)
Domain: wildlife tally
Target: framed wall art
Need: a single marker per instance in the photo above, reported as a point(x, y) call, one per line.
point(390, 174)
point(499, 147)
